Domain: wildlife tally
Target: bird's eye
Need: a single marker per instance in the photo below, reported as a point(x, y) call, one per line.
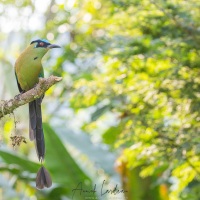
point(41, 44)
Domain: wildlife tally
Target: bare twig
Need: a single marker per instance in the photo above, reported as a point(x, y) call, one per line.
point(7, 107)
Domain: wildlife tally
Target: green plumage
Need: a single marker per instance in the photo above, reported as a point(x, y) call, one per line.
point(28, 67)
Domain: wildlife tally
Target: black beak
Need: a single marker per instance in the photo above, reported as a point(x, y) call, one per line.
point(51, 46)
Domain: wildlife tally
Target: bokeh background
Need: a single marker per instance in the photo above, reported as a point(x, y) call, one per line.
point(127, 110)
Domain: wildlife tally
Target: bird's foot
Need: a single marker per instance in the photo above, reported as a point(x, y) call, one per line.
point(17, 97)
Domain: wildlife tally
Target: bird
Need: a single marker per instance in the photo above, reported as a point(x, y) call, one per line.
point(28, 70)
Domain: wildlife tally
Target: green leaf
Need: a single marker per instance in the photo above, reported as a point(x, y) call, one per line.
point(111, 135)
point(63, 168)
point(23, 163)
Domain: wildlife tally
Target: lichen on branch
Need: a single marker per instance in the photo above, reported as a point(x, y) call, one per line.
point(8, 106)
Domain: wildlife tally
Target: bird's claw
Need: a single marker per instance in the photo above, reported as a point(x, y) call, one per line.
point(17, 97)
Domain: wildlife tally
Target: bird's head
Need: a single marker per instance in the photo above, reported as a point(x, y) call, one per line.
point(41, 46)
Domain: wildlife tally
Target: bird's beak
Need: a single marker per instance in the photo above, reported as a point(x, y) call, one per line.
point(51, 46)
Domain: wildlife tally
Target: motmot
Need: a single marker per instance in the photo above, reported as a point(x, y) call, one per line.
point(28, 70)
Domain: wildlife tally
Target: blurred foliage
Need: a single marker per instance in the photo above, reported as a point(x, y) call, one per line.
point(131, 81)
point(62, 167)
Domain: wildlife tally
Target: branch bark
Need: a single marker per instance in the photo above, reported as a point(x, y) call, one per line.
point(8, 106)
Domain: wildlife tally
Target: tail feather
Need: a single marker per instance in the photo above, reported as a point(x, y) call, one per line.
point(36, 130)
point(43, 178)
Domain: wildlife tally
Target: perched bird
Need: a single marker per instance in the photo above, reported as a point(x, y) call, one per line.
point(28, 69)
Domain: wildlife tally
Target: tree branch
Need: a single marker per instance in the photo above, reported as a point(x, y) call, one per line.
point(7, 107)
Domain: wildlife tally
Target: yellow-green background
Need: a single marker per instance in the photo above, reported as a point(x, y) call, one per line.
point(127, 110)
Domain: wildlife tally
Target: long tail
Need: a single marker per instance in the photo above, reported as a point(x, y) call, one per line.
point(43, 178)
point(35, 127)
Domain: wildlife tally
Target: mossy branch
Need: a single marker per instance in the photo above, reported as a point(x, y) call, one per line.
point(8, 106)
